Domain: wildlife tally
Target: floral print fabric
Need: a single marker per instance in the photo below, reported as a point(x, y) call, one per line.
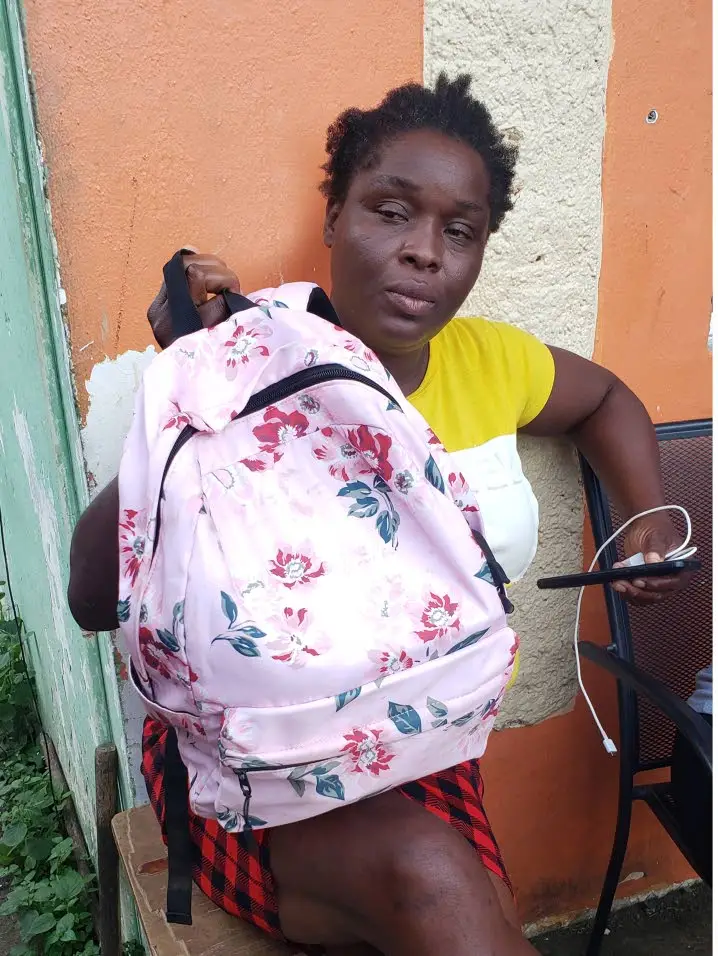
point(315, 617)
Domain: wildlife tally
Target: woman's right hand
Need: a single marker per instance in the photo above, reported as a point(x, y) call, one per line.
point(207, 277)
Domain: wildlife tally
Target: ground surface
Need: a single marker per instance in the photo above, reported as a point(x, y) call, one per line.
point(676, 924)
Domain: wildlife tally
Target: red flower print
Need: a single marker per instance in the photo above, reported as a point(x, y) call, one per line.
point(132, 544)
point(178, 420)
point(158, 658)
point(438, 618)
point(309, 404)
point(391, 662)
point(279, 427)
point(373, 446)
point(357, 348)
point(242, 344)
point(432, 437)
point(404, 482)
point(149, 649)
point(366, 752)
point(342, 455)
point(461, 492)
point(291, 644)
point(294, 568)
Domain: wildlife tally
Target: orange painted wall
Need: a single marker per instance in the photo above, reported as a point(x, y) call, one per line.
point(175, 122)
point(551, 788)
point(170, 123)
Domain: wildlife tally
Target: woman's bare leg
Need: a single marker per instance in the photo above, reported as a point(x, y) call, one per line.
point(387, 873)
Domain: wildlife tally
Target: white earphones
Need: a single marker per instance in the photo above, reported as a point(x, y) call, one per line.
point(681, 552)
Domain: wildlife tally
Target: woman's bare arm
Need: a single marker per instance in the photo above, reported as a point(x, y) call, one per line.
point(95, 563)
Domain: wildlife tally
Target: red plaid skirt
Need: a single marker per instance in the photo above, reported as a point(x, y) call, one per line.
point(234, 871)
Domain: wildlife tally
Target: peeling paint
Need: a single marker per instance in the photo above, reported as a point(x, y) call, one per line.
point(111, 390)
point(60, 674)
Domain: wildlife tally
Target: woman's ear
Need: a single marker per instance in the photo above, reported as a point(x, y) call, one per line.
point(330, 219)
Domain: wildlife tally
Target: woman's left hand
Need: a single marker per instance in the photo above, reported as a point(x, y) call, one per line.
point(653, 536)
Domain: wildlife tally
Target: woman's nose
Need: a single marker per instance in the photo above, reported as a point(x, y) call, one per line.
point(423, 247)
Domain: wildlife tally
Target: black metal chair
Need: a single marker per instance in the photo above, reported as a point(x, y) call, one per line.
point(656, 651)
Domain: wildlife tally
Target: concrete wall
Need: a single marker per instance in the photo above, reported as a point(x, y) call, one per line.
point(542, 67)
point(169, 124)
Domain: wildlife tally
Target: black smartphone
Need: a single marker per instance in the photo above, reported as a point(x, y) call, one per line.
point(660, 570)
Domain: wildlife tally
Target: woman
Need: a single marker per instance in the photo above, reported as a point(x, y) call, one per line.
point(414, 189)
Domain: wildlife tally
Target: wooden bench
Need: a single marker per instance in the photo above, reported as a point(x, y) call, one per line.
point(213, 932)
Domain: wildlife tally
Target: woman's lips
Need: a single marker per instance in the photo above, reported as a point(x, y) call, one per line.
point(410, 305)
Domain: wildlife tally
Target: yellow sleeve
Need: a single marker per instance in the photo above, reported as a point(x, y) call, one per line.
point(531, 371)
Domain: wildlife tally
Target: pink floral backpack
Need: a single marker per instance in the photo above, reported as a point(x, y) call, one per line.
point(304, 589)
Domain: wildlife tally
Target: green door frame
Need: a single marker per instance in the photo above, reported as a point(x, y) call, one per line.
point(47, 341)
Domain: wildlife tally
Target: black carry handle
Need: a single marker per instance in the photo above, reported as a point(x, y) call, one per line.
point(184, 314)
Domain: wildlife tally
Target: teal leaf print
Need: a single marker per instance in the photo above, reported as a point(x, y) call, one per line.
point(442, 722)
point(123, 610)
point(354, 489)
point(484, 574)
point(433, 475)
point(405, 718)
point(228, 819)
point(330, 786)
point(242, 645)
point(387, 525)
point(251, 822)
point(298, 786)
point(467, 641)
point(279, 305)
point(229, 608)
point(460, 721)
point(364, 508)
point(250, 630)
point(393, 407)
point(254, 763)
point(178, 612)
point(347, 697)
point(168, 639)
point(436, 708)
point(324, 768)
point(298, 772)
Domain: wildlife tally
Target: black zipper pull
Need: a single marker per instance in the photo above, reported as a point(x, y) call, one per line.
point(246, 788)
point(498, 575)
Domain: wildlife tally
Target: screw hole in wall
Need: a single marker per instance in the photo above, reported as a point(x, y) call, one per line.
point(652, 116)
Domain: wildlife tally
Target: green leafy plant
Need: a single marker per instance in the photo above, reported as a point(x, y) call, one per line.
point(49, 897)
point(133, 948)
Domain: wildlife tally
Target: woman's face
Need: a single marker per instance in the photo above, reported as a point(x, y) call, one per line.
point(408, 242)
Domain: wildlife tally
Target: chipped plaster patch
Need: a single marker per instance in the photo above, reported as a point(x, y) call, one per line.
point(111, 389)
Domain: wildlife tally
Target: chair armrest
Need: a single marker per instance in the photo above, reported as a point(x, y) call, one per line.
point(689, 723)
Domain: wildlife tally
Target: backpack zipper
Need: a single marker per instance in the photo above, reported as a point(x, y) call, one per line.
point(270, 395)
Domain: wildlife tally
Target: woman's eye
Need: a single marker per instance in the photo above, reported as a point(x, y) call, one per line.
point(460, 232)
point(392, 213)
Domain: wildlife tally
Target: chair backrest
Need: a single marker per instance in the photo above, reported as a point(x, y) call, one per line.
point(671, 640)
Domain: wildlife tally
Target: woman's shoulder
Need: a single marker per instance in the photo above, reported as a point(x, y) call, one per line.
point(496, 339)
point(504, 359)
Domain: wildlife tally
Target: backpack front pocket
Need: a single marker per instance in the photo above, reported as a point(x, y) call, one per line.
point(283, 764)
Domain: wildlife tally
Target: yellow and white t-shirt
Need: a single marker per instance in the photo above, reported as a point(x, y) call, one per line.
point(485, 380)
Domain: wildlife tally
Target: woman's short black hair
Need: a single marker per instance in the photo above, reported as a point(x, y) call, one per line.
point(354, 138)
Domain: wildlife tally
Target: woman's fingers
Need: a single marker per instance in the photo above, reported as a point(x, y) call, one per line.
point(207, 277)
